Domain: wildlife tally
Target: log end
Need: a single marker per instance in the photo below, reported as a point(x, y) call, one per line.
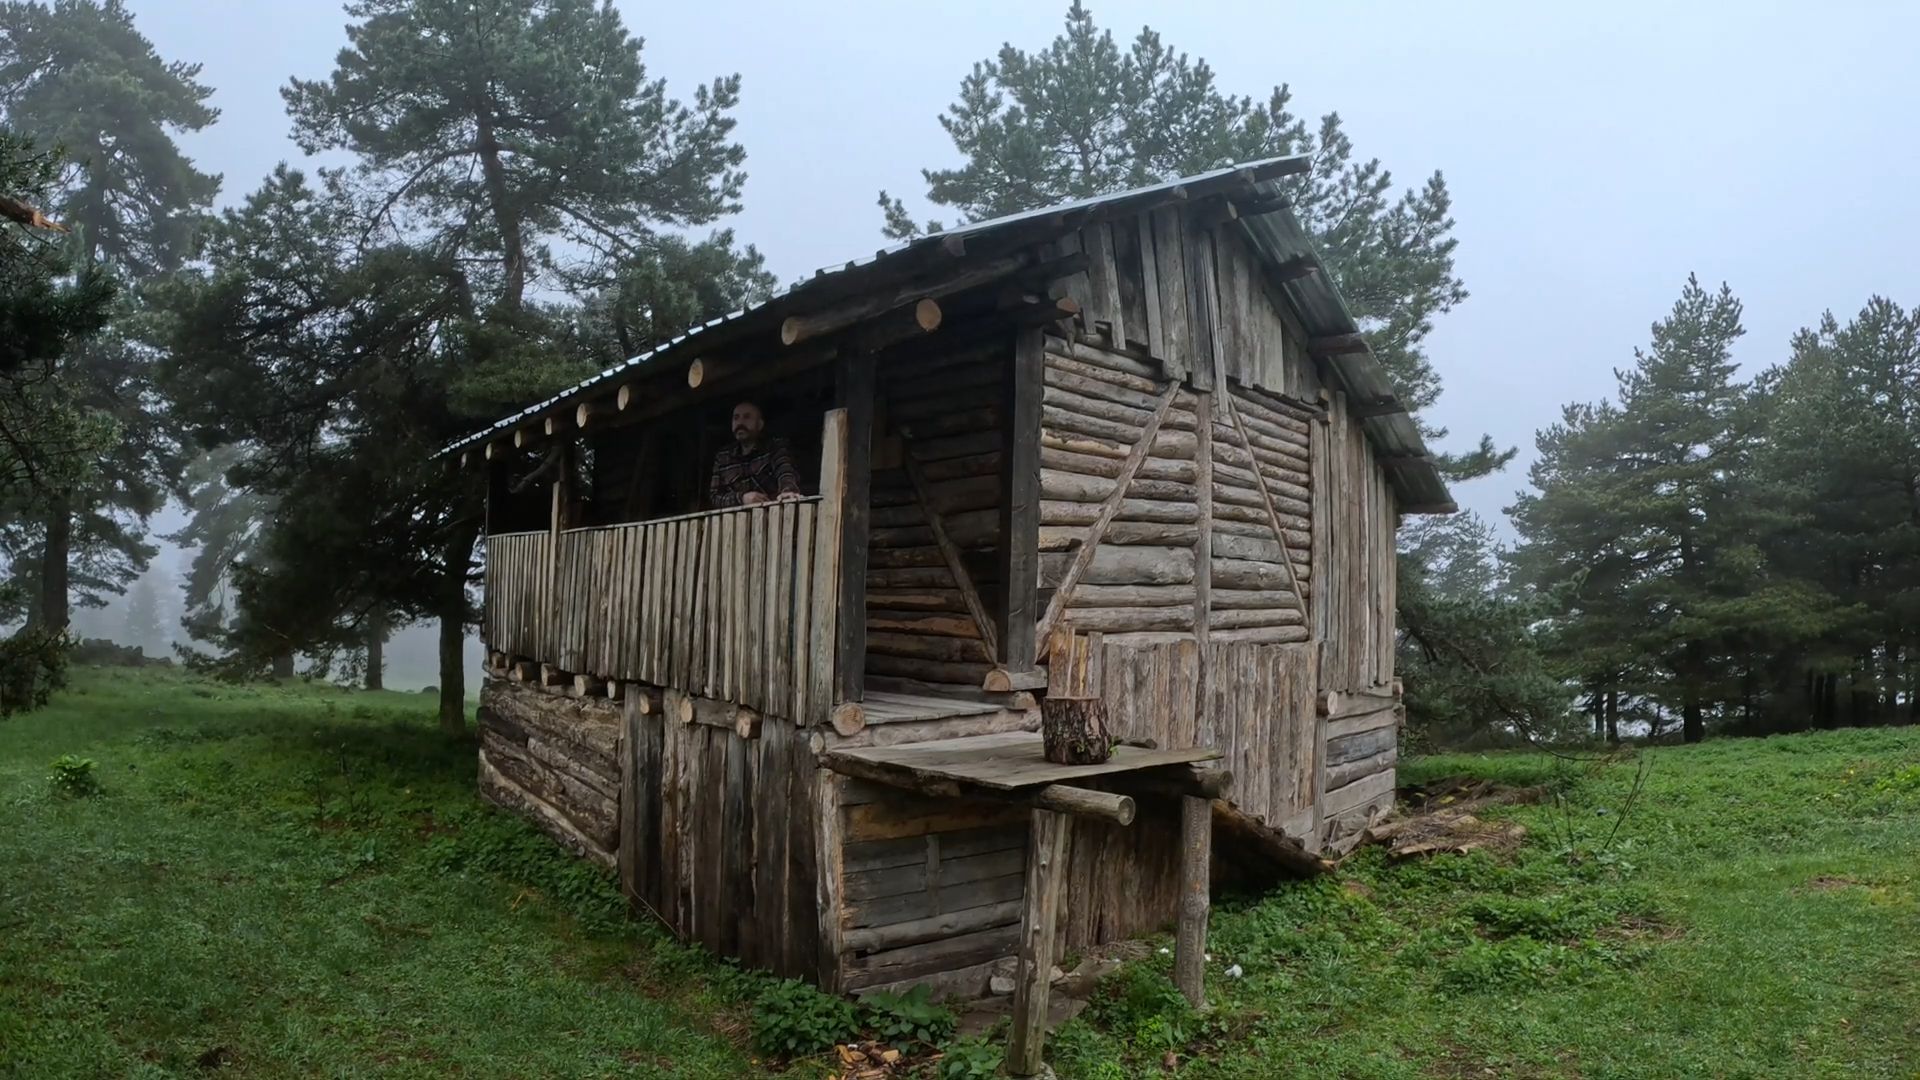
point(696, 374)
point(624, 398)
point(926, 314)
point(746, 723)
point(849, 718)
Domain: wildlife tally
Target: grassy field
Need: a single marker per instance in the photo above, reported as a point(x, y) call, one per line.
point(300, 882)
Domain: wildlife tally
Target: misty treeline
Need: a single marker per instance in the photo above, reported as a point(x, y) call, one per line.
point(1700, 552)
point(517, 203)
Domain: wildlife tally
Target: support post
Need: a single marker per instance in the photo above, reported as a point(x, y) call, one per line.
point(1020, 503)
point(822, 619)
point(857, 388)
point(1190, 937)
point(1033, 979)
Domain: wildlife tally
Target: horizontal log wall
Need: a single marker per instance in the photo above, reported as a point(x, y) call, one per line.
point(555, 760)
point(718, 836)
point(714, 603)
point(944, 413)
point(930, 889)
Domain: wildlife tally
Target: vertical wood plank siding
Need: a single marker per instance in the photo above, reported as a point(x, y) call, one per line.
point(720, 604)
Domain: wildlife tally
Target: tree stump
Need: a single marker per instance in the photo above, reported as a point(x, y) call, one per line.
point(1074, 730)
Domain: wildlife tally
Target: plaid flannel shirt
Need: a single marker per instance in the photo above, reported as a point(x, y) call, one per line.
point(767, 469)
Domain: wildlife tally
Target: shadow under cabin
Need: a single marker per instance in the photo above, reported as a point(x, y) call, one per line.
point(1131, 451)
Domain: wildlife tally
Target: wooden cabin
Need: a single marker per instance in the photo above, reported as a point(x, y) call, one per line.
point(1132, 448)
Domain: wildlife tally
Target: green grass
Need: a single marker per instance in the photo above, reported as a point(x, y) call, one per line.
point(1757, 914)
point(301, 882)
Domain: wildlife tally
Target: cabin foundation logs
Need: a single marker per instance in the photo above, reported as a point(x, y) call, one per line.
point(553, 759)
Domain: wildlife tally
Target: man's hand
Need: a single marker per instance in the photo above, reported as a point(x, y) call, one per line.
point(753, 498)
point(791, 496)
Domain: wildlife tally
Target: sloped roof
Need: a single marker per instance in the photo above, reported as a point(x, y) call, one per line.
point(1275, 234)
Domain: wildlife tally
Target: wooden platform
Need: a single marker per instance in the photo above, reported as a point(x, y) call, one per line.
point(1009, 761)
point(882, 707)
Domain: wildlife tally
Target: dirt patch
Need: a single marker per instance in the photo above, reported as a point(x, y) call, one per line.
point(1832, 883)
point(1441, 817)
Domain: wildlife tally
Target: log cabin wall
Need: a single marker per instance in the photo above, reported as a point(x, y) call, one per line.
point(1355, 628)
point(555, 761)
point(937, 488)
point(930, 888)
point(1178, 323)
point(712, 829)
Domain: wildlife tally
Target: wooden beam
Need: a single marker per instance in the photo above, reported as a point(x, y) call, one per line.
point(1116, 807)
point(949, 551)
point(1294, 269)
point(585, 413)
point(1338, 345)
point(1005, 680)
point(1019, 551)
point(798, 328)
point(1190, 935)
point(1033, 975)
point(1380, 406)
point(896, 326)
point(856, 392)
point(1108, 509)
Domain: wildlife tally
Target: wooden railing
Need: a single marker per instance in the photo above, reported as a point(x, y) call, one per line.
point(718, 604)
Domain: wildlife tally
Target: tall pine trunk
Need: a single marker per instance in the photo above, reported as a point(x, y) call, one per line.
point(376, 653)
point(283, 665)
point(1613, 717)
point(1693, 723)
point(53, 564)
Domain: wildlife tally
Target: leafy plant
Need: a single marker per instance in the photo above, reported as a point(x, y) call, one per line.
point(911, 1016)
point(792, 1019)
point(73, 777)
point(969, 1059)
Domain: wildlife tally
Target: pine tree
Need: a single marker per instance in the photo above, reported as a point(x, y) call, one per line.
point(1844, 461)
point(504, 149)
point(1469, 642)
point(1083, 117)
point(1647, 523)
point(80, 75)
point(49, 303)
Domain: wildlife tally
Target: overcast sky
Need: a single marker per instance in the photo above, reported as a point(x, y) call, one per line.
point(1595, 155)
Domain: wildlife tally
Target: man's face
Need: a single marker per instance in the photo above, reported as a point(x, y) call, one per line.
point(747, 422)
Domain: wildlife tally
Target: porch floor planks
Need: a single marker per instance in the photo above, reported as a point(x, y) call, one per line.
point(885, 707)
point(1011, 760)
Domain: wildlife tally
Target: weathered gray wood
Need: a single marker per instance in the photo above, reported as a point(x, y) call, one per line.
point(933, 927)
point(1347, 772)
point(1016, 760)
point(822, 631)
point(946, 898)
point(988, 649)
point(856, 398)
point(1046, 853)
point(1019, 560)
point(1171, 257)
point(1339, 800)
point(1363, 744)
point(1190, 937)
point(1103, 518)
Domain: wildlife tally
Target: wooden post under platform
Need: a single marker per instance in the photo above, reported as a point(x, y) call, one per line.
point(1033, 978)
point(1190, 934)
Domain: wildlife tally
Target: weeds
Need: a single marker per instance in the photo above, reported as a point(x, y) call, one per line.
point(73, 777)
